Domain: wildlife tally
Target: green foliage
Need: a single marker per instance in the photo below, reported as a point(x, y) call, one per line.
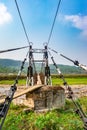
point(49, 121)
point(67, 69)
point(83, 102)
point(10, 66)
point(7, 70)
point(11, 77)
point(59, 119)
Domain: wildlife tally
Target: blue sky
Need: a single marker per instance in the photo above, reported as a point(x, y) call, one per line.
point(69, 35)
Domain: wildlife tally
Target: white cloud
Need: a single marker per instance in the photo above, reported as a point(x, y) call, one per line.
point(5, 16)
point(79, 22)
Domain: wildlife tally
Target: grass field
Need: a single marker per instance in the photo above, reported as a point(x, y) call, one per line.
point(71, 79)
point(61, 119)
point(10, 82)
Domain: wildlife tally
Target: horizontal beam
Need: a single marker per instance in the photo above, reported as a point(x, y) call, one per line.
point(38, 50)
point(30, 89)
point(38, 60)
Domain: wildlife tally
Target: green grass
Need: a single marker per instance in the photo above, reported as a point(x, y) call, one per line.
point(61, 119)
point(10, 82)
point(71, 81)
point(55, 81)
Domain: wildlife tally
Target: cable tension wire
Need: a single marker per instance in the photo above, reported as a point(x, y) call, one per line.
point(13, 49)
point(22, 22)
point(59, 1)
point(75, 62)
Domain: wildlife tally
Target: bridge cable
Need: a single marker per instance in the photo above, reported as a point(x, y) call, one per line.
point(9, 98)
point(71, 95)
point(13, 49)
point(59, 2)
point(84, 67)
point(22, 22)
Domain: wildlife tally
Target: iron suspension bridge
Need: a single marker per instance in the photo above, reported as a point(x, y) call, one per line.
point(45, 70)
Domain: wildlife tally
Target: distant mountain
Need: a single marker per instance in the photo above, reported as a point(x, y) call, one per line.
point(9, 63)
point(12, 66)
point(9, 66)
point(67, 69)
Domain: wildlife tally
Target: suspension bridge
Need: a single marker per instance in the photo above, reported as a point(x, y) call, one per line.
point(44, 76)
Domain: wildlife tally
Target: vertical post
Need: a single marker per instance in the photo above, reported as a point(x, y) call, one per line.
point(30, 80)
point(47, 68)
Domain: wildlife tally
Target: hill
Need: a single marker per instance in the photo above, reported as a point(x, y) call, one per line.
point(67, 69)
point(9, 66)
point(12, 66)
point(9, 63)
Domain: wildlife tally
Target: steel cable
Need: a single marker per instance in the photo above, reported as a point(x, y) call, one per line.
point(13, 49)
point(59, 2)
point(22, 22)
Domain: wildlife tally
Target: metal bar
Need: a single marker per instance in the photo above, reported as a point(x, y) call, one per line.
point(38, 60)
point(38, 50)
point(13, 49)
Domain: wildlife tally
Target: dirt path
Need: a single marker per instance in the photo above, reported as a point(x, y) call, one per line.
point(38, 78)
point(79, 90)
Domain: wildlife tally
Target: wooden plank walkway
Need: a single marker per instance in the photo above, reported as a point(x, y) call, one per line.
point(27, 90)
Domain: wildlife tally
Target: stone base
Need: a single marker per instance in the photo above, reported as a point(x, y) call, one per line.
point(47, 97)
